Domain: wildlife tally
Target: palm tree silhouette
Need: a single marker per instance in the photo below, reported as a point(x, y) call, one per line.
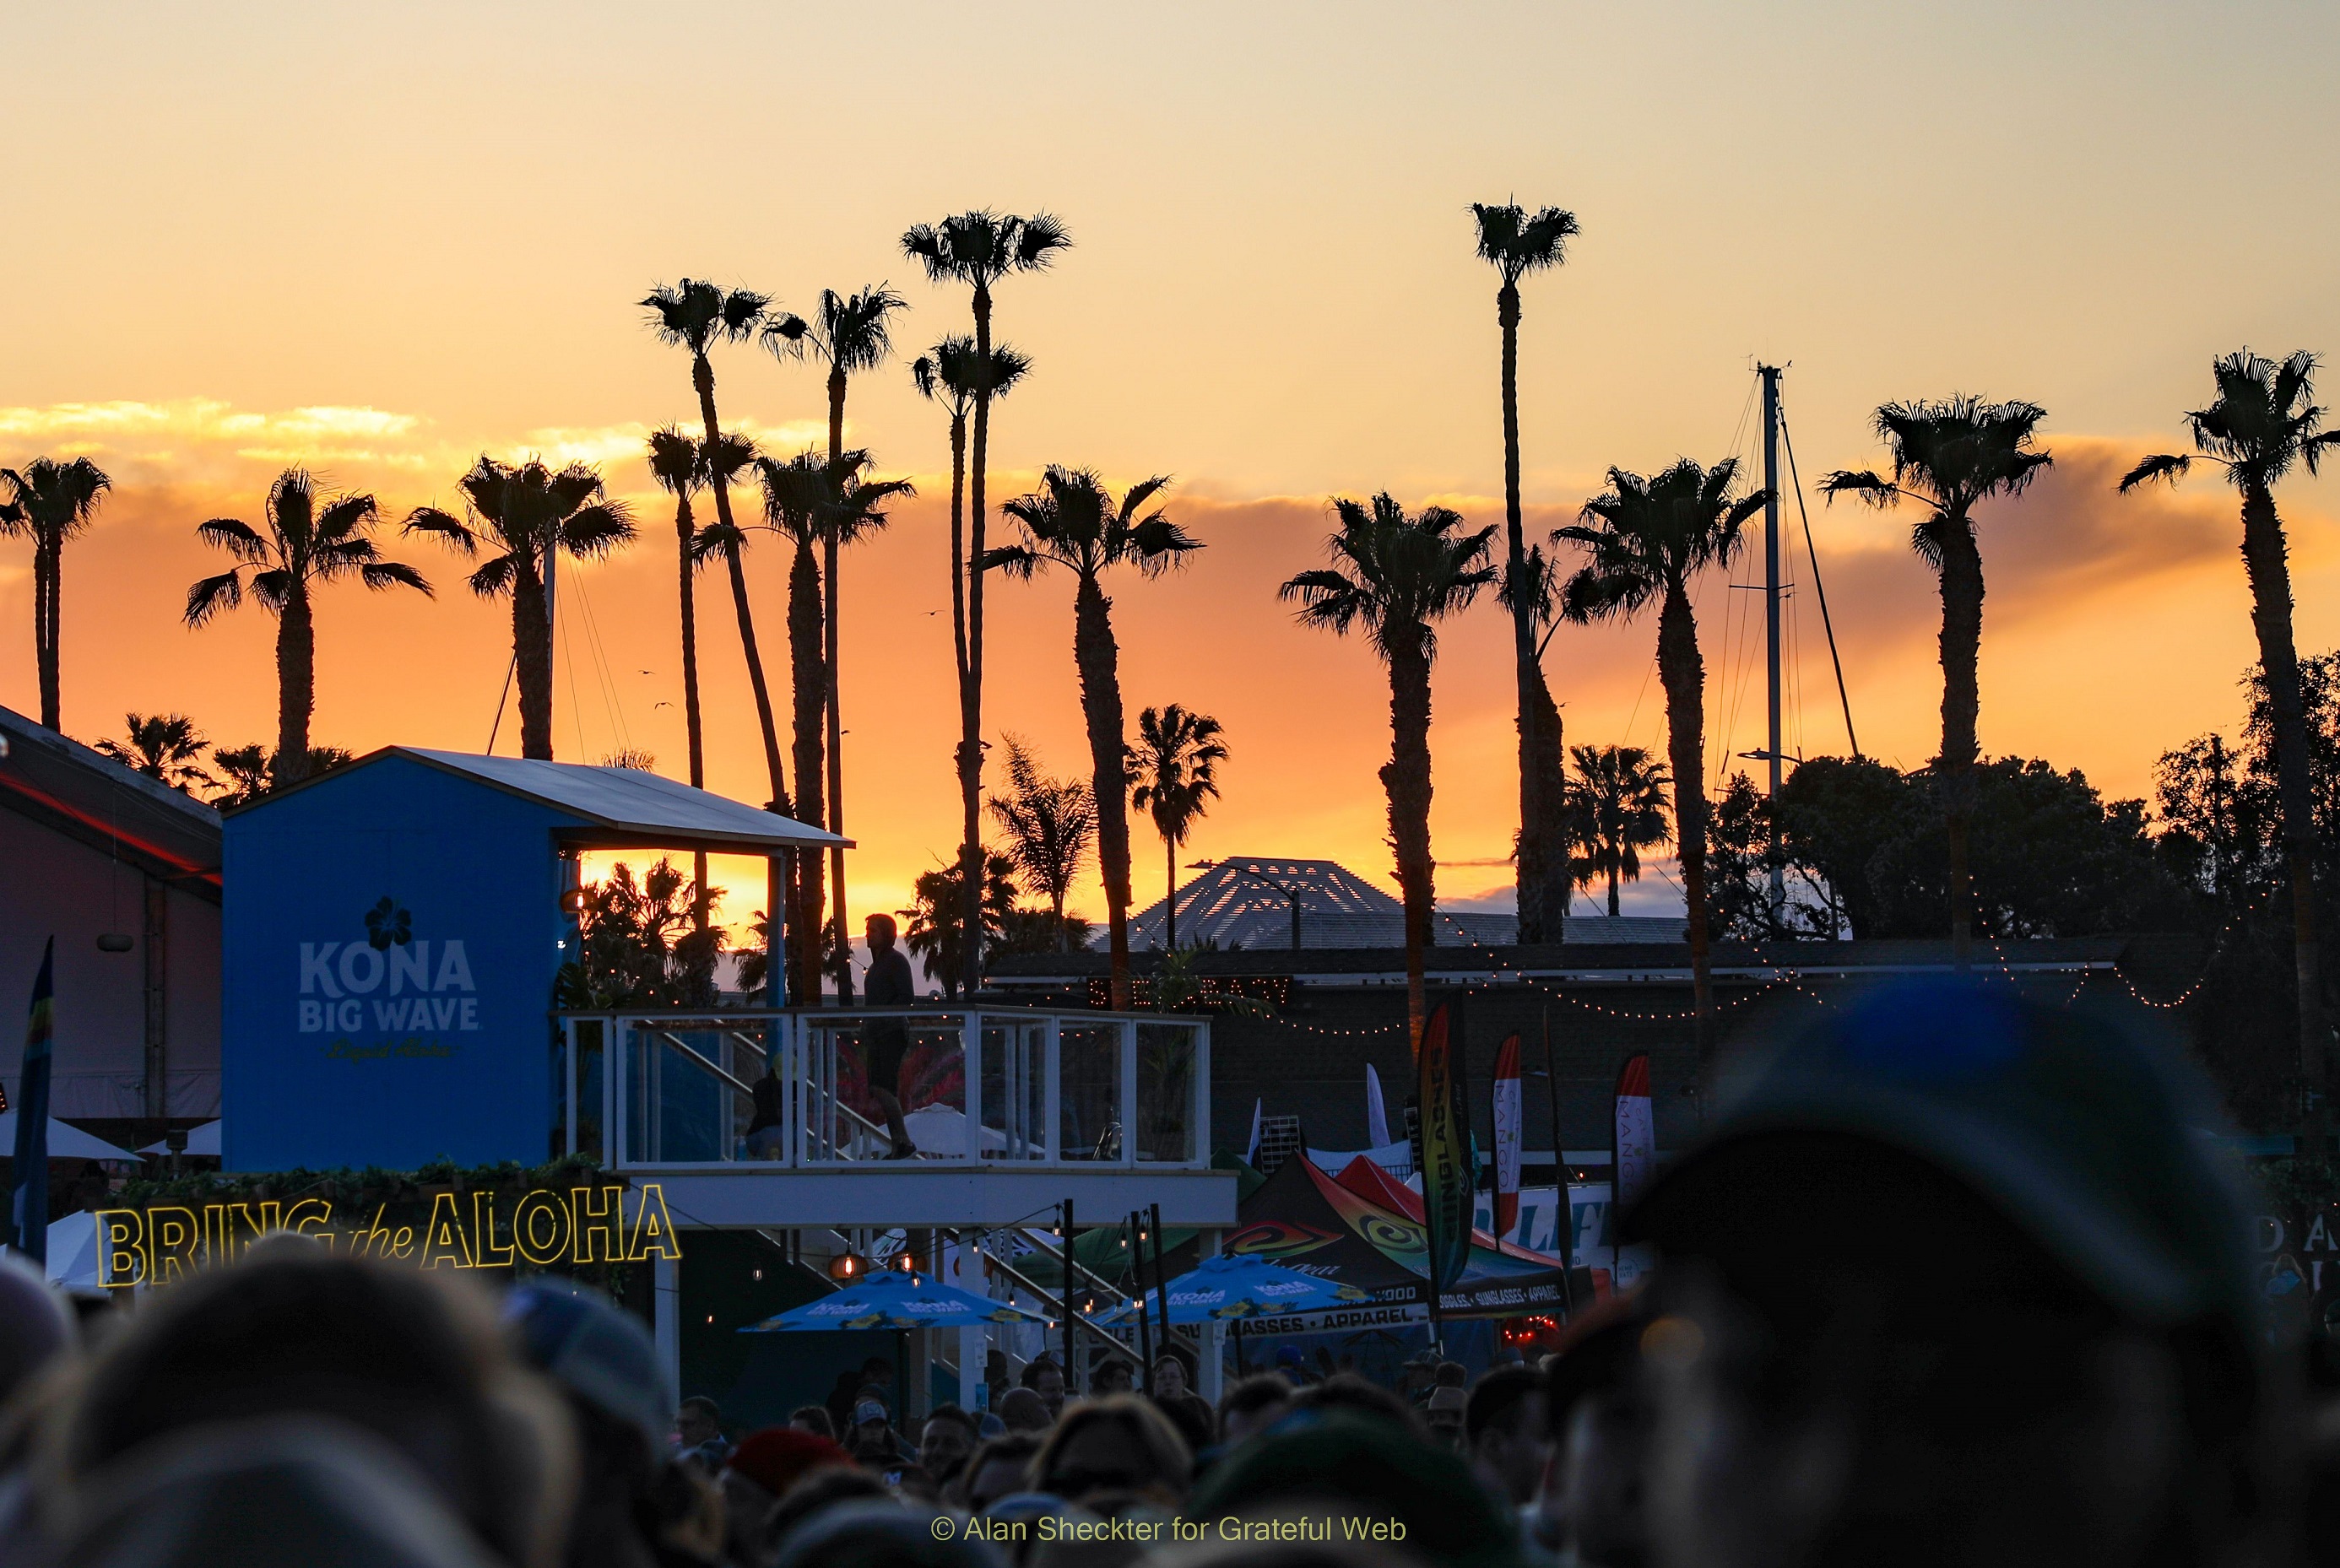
point(696, 315)
point(310, 540)
point(50, 502)
point(849, 334)
point(1620, 795)
point(812, 502)
point(1174, 775)
point(1648, 538)
point(1516, 243)
point(248, 770)
point(1949, 457)
point(165, 747)
point(531, 515)
point(2263, 423)
point(675, 464)
point(1072, 521)
point(979, 249)
point(1050, 824)
point(1396, 577)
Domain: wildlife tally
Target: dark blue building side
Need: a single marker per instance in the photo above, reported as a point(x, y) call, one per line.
point(391, 936)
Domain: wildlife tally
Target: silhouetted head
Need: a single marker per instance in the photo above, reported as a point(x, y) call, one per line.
point(881, 929)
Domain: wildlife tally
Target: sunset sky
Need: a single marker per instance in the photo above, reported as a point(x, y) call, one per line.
point(381, 242)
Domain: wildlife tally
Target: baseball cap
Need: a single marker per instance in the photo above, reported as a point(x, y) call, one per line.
point(2094, 1143)
point(869, 1410)
point(778, 1457)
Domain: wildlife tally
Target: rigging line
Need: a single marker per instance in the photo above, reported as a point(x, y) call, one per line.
point(1820, 588)
point(612, 705)
point(568, 648)
point(502, 702)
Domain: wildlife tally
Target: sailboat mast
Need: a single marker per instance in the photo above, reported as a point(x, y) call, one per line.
point(1772, 751)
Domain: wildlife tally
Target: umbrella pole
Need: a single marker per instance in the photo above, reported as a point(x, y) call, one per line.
point(1069, 1315)
point(1137, 1273)
point(1161, 1283)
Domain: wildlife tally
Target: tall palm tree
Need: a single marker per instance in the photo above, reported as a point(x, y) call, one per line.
point(1949, 457)
point(1073, 521)
point(530, 516)
point(1050, 824)
point(165, 747)
point(310, 540)
point(810, 501)
point(979, 249)
point(1647, 539)
point(50, 502)
point(849, 334)
point(1620, 794)
point(1517, 242)
point(676, 465)
point(696, 315)
point(1174, 774)
point(1396, 577)
point(2263, 423)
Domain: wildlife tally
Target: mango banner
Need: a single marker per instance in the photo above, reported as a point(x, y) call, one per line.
point(544, 1229)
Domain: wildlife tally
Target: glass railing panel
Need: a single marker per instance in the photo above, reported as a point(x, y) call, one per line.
point(1168, 1056)
point(855, 1064)
point(1088, 1104)
point(1014, 1096)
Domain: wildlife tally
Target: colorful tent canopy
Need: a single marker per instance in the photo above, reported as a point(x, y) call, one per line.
point(1232, 1286)
point(1303, 1219)
point(891, 1300)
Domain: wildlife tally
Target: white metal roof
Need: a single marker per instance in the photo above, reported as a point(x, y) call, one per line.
point(633, 807)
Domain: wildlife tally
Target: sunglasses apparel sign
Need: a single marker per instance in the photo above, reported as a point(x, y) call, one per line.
point(543, 1228)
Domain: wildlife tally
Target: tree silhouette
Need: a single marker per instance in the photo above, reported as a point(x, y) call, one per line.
point(1620, 795)
point(2264, 423)
point(695, 315)
point(1647, 538)
point(935, 932)
point(165, 747)
point(1949, 457)
point(50, 502)
point(530, 516)
point(848, 333)
point(310, 540)
point(1516, 243)
point(1050, 823)
point(1174, 771)
point(1072, 521)
point(978, 250)
point(810, 502)
point(1396, 577)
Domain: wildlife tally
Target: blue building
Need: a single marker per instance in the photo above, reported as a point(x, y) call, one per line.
point(392, 934)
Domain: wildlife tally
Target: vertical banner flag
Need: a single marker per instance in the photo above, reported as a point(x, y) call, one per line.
point(1446, 1175)
point(1251, 1155)
point(28, 1204)
point(1376, 1111)
point(1634, 1157)
point(1507, 1137)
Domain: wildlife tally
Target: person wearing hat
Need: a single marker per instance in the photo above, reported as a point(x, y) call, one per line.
point(760, 1471)
point(1444, 1413)
point(1954, 1278)
point(875, 1447)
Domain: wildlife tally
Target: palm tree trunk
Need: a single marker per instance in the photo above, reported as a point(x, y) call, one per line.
point(685, 530)
point(532, 656)
point(1099, 662)
point(844, 958)
point(1057, 913)
point(1961, 653)
point(2267, 564)
point(1682, 672)
point(970, 701)
point(1405, 779)
point(1612, 889)
point(48, 571)
point(702, 381)
point(808, 688)
point(296, 685)
point(1170, 902)
point(1542, 872)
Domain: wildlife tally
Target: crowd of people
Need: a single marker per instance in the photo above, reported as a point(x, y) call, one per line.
point(1947, 1278)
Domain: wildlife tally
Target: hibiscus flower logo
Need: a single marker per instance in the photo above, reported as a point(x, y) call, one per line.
point(388, 925)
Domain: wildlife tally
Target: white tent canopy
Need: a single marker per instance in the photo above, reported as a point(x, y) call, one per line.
point(201, 1139)
point(65, 1141)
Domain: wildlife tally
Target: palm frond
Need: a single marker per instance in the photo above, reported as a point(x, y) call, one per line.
point(237, 539)
point(208, 596)
point(451, 529)
point(1017, 561)
point(496, 577)
point(1869, 486)
point(344, 516)
point(593, 532)
point(2167, 466)
point(379, 575)
point(272, 588)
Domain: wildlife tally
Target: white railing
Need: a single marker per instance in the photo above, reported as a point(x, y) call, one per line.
point(761, 1090)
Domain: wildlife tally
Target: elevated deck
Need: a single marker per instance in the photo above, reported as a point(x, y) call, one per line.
point(766, 1117)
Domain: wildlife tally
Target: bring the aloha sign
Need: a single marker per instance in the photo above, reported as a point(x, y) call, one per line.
point(543, 1228)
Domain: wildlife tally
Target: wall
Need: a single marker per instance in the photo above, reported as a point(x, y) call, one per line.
point(53, 886)
point(341, 1053)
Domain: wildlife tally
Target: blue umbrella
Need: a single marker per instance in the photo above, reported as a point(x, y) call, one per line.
point(892, 1300)
point(1233, 1287)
